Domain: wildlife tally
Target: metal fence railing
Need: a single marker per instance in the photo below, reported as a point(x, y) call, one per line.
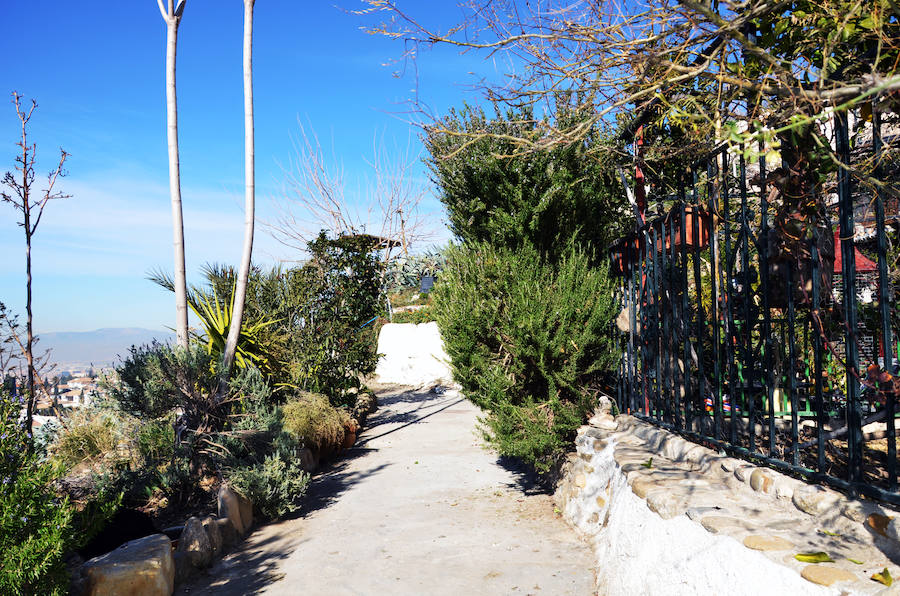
point(765, 328)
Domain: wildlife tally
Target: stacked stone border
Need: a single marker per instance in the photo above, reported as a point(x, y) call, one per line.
point(763, 510)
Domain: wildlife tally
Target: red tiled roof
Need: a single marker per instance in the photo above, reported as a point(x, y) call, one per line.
point(863, 263)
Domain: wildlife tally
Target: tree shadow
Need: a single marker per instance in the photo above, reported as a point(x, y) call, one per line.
point(328, 486)
point(405, 419)
point(253, 565)
point(526, 479)
point(411, 395)
point(248, 569)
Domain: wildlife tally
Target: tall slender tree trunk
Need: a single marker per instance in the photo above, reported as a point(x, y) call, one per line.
point(240, 292)
point(181, 311)
point(29, 329)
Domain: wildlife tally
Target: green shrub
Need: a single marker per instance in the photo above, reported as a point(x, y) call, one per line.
point(496, 192)
point(308, 322)
point(155, 440)
point(260, 458)
point(35, 524)
point(333, 348)
point(530, 343)
point(156, 378)
point(417, 317)
point(275, 486)
point(313, 421)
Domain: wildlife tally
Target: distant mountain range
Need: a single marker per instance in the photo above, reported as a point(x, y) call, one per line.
point(100, 348)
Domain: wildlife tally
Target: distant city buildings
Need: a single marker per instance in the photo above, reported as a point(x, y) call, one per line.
point(69, 389)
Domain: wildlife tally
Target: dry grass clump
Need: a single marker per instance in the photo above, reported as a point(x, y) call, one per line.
point(315, 422)
point(87, 435)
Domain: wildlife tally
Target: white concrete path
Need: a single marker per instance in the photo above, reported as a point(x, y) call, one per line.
point(418, 506)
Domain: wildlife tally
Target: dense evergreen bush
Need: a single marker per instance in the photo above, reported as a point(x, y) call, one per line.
point(530, 342)
point(332, 349)
point(36, 526)
point(157, 378)
point(495, 191)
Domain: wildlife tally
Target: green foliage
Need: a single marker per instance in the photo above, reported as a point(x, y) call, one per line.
point(215, 316)
point(417, 317)
point(407, 272)
point(495, 193)
point(262, 461)
point(307, 321)
point(275, 486)
point(149, 379)
point(214, 313)
point(156, 378)
point(529, 341)
point(35, 524)
point(832, 36)
point(344, 292)
point(154, 384)
point(314, 422)
point(155, 440)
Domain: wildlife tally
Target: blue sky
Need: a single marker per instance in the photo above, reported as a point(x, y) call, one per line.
point(97, 73)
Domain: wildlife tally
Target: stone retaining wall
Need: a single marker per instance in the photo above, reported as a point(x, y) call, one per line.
point(667, 516)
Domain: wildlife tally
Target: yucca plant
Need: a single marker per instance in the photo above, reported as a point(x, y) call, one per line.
point(215, 317)
point(214, 314)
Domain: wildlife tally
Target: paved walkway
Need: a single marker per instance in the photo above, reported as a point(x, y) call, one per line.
point(418, 506)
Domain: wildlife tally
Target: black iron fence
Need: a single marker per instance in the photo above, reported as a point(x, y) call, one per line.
point(762, 322)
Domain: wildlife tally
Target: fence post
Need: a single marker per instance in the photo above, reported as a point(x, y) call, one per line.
point(848, 272)
point(884, 304)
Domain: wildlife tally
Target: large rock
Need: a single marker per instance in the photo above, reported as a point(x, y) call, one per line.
point(365, 405)
point(194, 542)
point(144, 566)
point(214, 534)
point(307, 460)
point(246, 508)
point(371, 401)
point(227, 531)
point(184, 568)
point(230, 508)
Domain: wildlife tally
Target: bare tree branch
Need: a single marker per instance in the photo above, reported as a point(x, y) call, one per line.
point(314, 198)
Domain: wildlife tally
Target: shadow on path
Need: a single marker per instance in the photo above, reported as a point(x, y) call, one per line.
point(406, 419)
point(328, 486)
point(248, 571)
point(526, 479)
